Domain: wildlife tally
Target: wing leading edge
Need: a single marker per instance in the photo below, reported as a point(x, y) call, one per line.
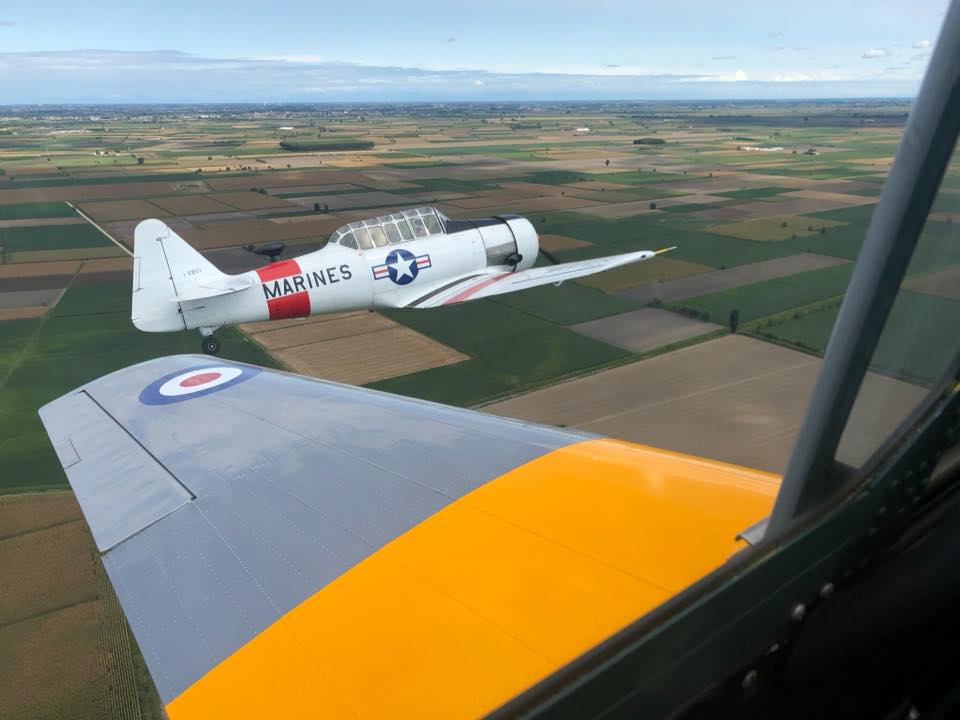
point(343, 552)
point(476, 286)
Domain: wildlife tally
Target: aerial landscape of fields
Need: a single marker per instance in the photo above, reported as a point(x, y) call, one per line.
point(710, 349)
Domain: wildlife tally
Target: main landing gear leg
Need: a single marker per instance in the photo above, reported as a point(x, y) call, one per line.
point(210, 345)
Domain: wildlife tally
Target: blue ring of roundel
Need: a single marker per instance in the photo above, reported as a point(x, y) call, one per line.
point(150, 395)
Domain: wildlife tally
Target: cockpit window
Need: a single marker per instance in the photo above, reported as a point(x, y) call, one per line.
point(393, 233)
point(419, 229)
point(377, 235)
point(348, 240)
point(363, 237)
point(392, 229)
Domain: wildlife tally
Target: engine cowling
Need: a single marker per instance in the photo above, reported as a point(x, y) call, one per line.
point(509, 241)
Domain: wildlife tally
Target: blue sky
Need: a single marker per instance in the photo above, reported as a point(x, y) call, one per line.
point(215, 51)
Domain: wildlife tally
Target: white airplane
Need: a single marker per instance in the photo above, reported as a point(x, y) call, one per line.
point(415, 258)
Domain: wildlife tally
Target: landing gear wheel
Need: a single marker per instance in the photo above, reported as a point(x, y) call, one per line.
point(210, 345)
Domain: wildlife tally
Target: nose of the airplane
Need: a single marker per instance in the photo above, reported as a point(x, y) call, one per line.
point(528, 244)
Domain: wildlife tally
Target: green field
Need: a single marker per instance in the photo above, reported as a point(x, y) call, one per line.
point(51, 237)
point(22, 211)
point(511, 351)
point(87, 335)
point(655, 231)
point(771, 296)
point(921, 333)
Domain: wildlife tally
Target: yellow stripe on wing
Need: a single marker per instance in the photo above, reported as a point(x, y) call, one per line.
point(495, 591)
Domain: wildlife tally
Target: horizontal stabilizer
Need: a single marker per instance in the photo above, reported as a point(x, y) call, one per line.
point(224, 286)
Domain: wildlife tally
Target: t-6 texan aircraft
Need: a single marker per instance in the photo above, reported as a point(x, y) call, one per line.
point(416, 258)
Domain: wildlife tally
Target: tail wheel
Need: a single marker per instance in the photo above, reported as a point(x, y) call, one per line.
point(210, 345)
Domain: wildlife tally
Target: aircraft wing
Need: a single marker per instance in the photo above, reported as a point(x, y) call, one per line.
point(480, 285)
point(288, 547)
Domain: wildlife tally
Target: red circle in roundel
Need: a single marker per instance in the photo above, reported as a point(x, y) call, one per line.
point(199, 379)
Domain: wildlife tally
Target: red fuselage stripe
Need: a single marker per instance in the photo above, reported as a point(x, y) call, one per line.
point(287, 306)
point(460, 297)
point(277, 270)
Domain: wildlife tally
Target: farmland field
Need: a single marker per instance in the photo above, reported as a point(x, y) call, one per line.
point(772, 237)
point(67, 649)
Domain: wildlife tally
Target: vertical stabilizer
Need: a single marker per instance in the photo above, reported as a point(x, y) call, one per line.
point(165, 268)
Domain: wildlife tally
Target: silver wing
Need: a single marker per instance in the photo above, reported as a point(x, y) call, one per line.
point(475, 286)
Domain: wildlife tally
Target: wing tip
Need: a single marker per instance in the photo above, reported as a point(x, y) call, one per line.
point(664, 250)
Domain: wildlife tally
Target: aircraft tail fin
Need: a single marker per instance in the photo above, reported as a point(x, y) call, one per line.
point(165, 268)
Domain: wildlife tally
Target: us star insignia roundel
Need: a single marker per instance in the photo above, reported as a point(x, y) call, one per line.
point(401, 266)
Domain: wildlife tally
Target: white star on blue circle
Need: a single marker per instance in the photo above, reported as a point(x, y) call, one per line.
point(402, 266)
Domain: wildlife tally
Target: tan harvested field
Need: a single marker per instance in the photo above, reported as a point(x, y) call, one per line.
point(43, 256)
point(24, 513)
point(350, 348)
point(531, 189)
point(65, 577)
point(717, 280)
point(798, 206)
point(228, 234)
point(832, 196)
point(22, 313)
point(553, 243)
point(664, 268)
point(80, 193)
point(250, 200)
point(597, 185)
point(354, 200)
point(643, 330)
point(23, 270)
point(316, 189)
point(323, 224)
point(773, 228)
point(734, 399)
point(545, 204)
point(483, 201)
point(621, 210)
point(282, 180)
point(945, 283)
point(601, 196)
point(45, 297)
point(122, 210)
point(66, 647)
point(190, 205)
point(120, 264)
point(950, 217)
point(35, 222)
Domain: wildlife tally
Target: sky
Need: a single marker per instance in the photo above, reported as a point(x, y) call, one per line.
point(242, 51)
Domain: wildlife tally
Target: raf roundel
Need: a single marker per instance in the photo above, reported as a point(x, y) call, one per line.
point(187, 384)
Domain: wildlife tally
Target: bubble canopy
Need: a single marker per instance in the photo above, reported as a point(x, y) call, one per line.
point(391, 229)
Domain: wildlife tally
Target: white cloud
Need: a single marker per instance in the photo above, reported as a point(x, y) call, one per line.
point(171, 76)
point(738, 76)
point(874, 53)
point(724, 57)
point(921, 45)
point(827, 75)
